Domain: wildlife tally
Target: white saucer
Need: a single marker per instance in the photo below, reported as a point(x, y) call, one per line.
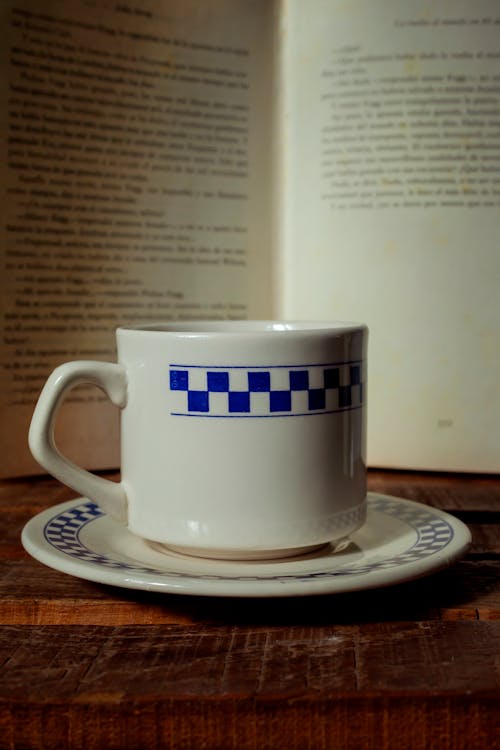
point(400, 540)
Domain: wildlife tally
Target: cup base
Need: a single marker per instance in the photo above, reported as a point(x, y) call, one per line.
point(250, 555)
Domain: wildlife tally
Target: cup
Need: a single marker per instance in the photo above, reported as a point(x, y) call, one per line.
point(239, 439)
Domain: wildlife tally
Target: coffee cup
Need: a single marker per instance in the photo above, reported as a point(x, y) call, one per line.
point(239, 439)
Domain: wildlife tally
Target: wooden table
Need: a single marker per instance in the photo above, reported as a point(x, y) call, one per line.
point(412, 666)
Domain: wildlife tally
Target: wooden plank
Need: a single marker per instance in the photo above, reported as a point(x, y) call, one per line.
point(31, 594)
point(485, 541)
point(34, 492)
point(467, 590)
point(383, 685)
point(44, 663)
point(338, 721)
point(452, 492)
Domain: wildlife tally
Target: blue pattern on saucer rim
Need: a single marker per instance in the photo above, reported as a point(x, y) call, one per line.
point(428, 539)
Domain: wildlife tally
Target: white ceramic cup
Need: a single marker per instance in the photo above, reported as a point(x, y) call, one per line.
point(240, 439)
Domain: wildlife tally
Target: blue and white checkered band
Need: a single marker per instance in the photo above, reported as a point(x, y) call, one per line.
point(267, 391)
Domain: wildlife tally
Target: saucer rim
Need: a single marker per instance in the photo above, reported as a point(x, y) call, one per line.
point(35, 543)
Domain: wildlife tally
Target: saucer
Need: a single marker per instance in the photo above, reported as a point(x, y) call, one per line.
point(401, 540)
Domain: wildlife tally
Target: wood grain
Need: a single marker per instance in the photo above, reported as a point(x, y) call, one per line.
point(102, 664)
point(450, 492)
point(31, 594)
point(306, 681)
point(338, 722)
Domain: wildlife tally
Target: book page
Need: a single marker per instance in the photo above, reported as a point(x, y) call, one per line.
point(392, 153)
point(135, 180)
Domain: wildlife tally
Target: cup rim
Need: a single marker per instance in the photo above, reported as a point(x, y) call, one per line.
point(225, 328)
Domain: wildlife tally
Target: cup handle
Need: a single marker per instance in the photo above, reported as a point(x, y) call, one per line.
point(111, 378)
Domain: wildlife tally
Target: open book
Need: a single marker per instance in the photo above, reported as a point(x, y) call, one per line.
point(249, 158)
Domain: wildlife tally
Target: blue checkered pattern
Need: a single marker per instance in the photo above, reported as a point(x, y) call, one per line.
point(63, 533)
point(265, 391)
point(432, 535)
